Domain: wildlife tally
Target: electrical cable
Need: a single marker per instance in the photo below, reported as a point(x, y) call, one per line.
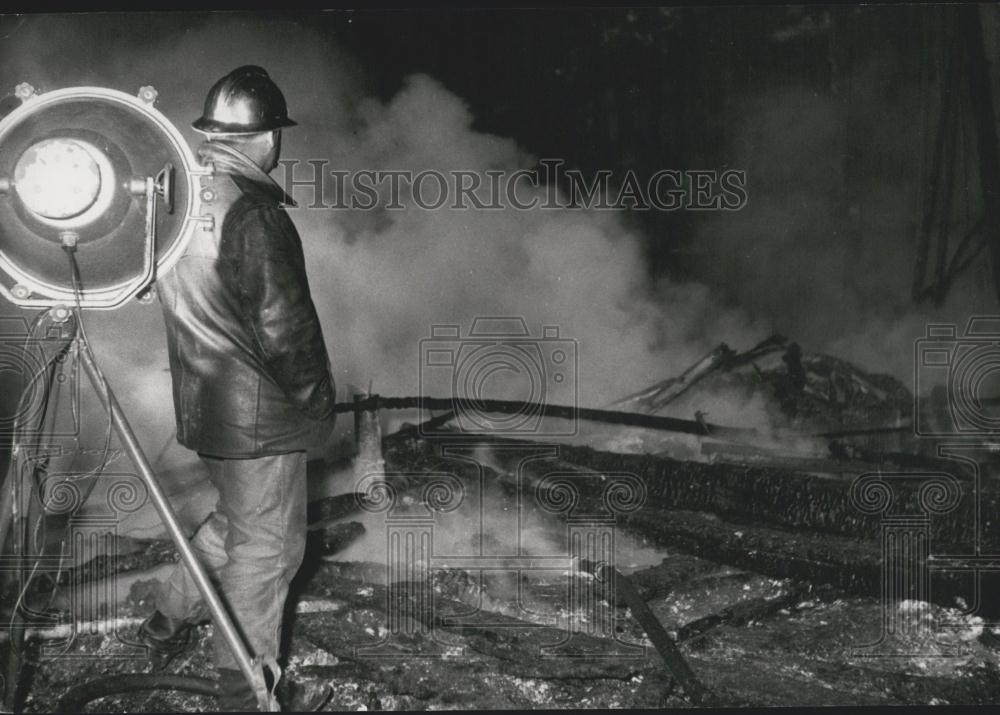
point(17, 465)
point(82, 343)
point(79, 330)
point(15, 471)
point(11, 519)
point(74, 700)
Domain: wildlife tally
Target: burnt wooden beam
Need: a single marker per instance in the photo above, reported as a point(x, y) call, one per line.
point(517, 646)
point(740, 613)
point(657, 634)
point(853, 565)
point(769, 495)
point(778, 522)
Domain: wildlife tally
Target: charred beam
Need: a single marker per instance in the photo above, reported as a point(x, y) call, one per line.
point(662, 393)
point(657, 634)
point(779, 496)
point(778, 522)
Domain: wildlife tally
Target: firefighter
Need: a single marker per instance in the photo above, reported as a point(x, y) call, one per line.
point(252, 387)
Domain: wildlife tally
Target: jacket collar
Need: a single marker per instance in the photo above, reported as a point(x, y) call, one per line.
point(247, 175)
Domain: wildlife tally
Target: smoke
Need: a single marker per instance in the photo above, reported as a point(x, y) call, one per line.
point(386, 278)
point(382, 279)
point(499, 517)
point(821, 255)
point(822, 252)
point(826, 246)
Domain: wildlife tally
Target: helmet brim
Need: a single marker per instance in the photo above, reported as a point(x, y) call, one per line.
point(210, 126)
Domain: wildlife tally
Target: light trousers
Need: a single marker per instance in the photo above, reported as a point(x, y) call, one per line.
point(251, 545)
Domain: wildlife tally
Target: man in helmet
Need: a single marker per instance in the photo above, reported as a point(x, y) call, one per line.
point(252, 387)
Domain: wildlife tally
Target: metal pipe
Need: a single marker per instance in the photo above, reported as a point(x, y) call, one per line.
point(544, 409)
point(367, 437)
point(251, 670)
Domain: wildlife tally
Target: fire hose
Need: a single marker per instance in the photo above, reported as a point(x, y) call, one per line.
point(542, 409)
point(84, 693)
point(78, 696)
point(74, 700)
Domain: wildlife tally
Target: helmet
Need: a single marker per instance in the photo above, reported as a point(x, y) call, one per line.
point(245, 101)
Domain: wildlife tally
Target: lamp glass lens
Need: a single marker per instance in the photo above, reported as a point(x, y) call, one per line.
point(57, 178)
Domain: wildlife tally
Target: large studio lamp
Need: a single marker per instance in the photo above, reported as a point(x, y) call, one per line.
point(101, 170)
point(100, 195)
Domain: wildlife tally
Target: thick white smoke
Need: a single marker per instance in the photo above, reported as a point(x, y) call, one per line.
point(381, 279)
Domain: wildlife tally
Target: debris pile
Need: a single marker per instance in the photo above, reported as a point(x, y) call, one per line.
point(709, 563)
point(805, 393)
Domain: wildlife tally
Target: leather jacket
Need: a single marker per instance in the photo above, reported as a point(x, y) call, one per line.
point(251, 374)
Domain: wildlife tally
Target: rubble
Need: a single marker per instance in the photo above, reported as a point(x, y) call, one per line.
point(793, 507)
point(808, 640)
point(808, 393)
point(757, 551)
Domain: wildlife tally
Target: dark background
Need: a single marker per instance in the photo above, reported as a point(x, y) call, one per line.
point(831, 111)
point(648, 88)
point(603, 88)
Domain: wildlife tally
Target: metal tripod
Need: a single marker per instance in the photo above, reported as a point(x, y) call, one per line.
point(252, 669)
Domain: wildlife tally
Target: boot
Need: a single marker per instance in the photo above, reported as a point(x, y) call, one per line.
point(235, 695)
point(166, 637)
point(303, 697)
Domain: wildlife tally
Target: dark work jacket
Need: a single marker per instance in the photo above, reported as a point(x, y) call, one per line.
point(251, 375)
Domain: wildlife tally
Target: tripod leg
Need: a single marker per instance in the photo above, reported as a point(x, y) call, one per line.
point(251, 670)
